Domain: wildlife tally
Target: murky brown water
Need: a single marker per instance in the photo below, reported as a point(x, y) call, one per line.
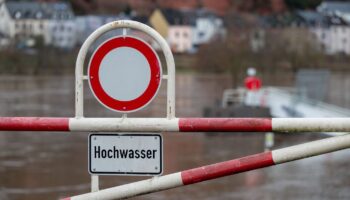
point(52, 165)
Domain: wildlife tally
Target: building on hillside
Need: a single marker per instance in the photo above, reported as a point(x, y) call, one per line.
point(185, 30)
point(140, 34)
point(29, 21)
point(208, 27)
point(62, 30)
point(140, 18)
point(332, 32)
point(177, 27)
point(339, 9)
point(22, 21)
point(334, 35)
point(335, 38)
point(87, 24)
point(310, 19)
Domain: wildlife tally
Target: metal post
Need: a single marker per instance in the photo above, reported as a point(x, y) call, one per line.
point(269, 140)
point(79, 67)
point(94, 183)
point(222, 169)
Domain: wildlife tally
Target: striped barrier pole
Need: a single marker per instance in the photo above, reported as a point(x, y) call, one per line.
point(176, 124)
point(218, 170)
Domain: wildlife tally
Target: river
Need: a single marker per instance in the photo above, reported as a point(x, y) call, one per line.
point(42, 165)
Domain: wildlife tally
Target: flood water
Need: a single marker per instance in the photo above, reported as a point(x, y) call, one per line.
point(41, 165)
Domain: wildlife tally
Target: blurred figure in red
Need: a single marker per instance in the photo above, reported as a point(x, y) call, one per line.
point(252, 84)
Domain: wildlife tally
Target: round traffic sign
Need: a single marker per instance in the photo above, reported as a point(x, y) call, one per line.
point(124, 74)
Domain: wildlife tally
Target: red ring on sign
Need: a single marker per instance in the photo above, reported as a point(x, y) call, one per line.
point(146, 96)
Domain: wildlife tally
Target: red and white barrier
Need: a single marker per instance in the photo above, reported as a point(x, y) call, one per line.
point(220, 169)
point(176, 124)
point(34, 124)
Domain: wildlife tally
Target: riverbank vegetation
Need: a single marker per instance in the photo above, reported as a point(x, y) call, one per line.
point(274, 53)
point(40, 61)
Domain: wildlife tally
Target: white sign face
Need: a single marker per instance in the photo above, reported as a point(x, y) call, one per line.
point(124, 73)
point(127, 154)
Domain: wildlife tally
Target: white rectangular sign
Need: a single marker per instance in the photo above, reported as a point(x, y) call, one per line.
point(125, 154)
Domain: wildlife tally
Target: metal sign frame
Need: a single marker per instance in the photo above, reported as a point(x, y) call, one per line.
point(80, 63)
